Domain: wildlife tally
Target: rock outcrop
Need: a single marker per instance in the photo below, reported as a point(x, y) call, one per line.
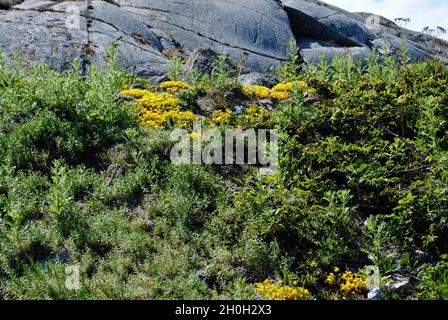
point(147, 32)
point(320, 27)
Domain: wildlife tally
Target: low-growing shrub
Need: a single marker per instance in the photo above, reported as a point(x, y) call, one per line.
point(86, 180)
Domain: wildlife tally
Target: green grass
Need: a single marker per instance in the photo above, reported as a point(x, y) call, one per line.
point(362, 182)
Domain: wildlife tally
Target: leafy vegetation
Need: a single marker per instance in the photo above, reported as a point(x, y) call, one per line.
point(86, 180)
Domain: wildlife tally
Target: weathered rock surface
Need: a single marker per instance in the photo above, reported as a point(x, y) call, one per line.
point(57, 33)
point(318, 20)
point(256, 31)
point(320, 27)
point(256, 78)
point(202, 60)
point(147, 32)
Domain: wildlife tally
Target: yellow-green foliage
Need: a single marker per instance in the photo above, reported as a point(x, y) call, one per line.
point(434, 285)
point(254, 117)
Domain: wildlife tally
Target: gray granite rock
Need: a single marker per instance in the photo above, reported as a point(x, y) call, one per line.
point(202, 60)
point(320, 27)
point(41, 36)
point(256, 78)
point(253, 33)
point(57, 33)
point(313, 55)
point(319, 20)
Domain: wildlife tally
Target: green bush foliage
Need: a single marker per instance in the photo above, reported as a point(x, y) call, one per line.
point(362, 181)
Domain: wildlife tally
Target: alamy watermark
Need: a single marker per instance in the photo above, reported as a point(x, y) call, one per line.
point(258, 147)
point(73, 20)
point(373, 22)
point(72, 280)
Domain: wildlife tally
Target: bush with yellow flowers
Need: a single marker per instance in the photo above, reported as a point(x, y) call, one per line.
point(349, 283)
point(279, 95)
point(220, 117)
point(279, 92)
point(174, 86)
point(158, 109)
point(254, 116)
point(272, 291)
point(176, 117)
point(256, 91)
point(135, 93)
point(289, 86)
point(352, 284)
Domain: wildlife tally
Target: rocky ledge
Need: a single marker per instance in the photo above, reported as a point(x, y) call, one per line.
point(147, 33)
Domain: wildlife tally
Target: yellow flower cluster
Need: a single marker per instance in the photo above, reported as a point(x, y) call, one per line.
point(331, 279)
point(160, 108)
point(259, 92)
point(352, 284)
point(287, 87)
point(279, 95)
point(220, 117)
point(173, 86)
point(271, 291)
point(156, 101)
point(279, 92)
point(176, 117)
point(254, 117)
point(349, 283)
point(136, 93)
point(195, 136)
point(283, 89)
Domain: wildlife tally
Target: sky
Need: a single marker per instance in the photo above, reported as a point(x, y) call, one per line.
point(422, 13)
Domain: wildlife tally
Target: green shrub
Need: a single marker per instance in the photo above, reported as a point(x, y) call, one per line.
point(362, 181)
point(434, 284)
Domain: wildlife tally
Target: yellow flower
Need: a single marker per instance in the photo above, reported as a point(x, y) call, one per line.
point(136, 93)
point(159, 109)
point(289, 86)
point(285, 88)
point(351, 284)
point(259, 92)
point(254, 117)
point(279, 92)
point(271, 291)
point(279, 95)
point(173, 86)
point(180, 118)
point(311, 91)
point(221, 117)
point(195, 136)
point(331, 279)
